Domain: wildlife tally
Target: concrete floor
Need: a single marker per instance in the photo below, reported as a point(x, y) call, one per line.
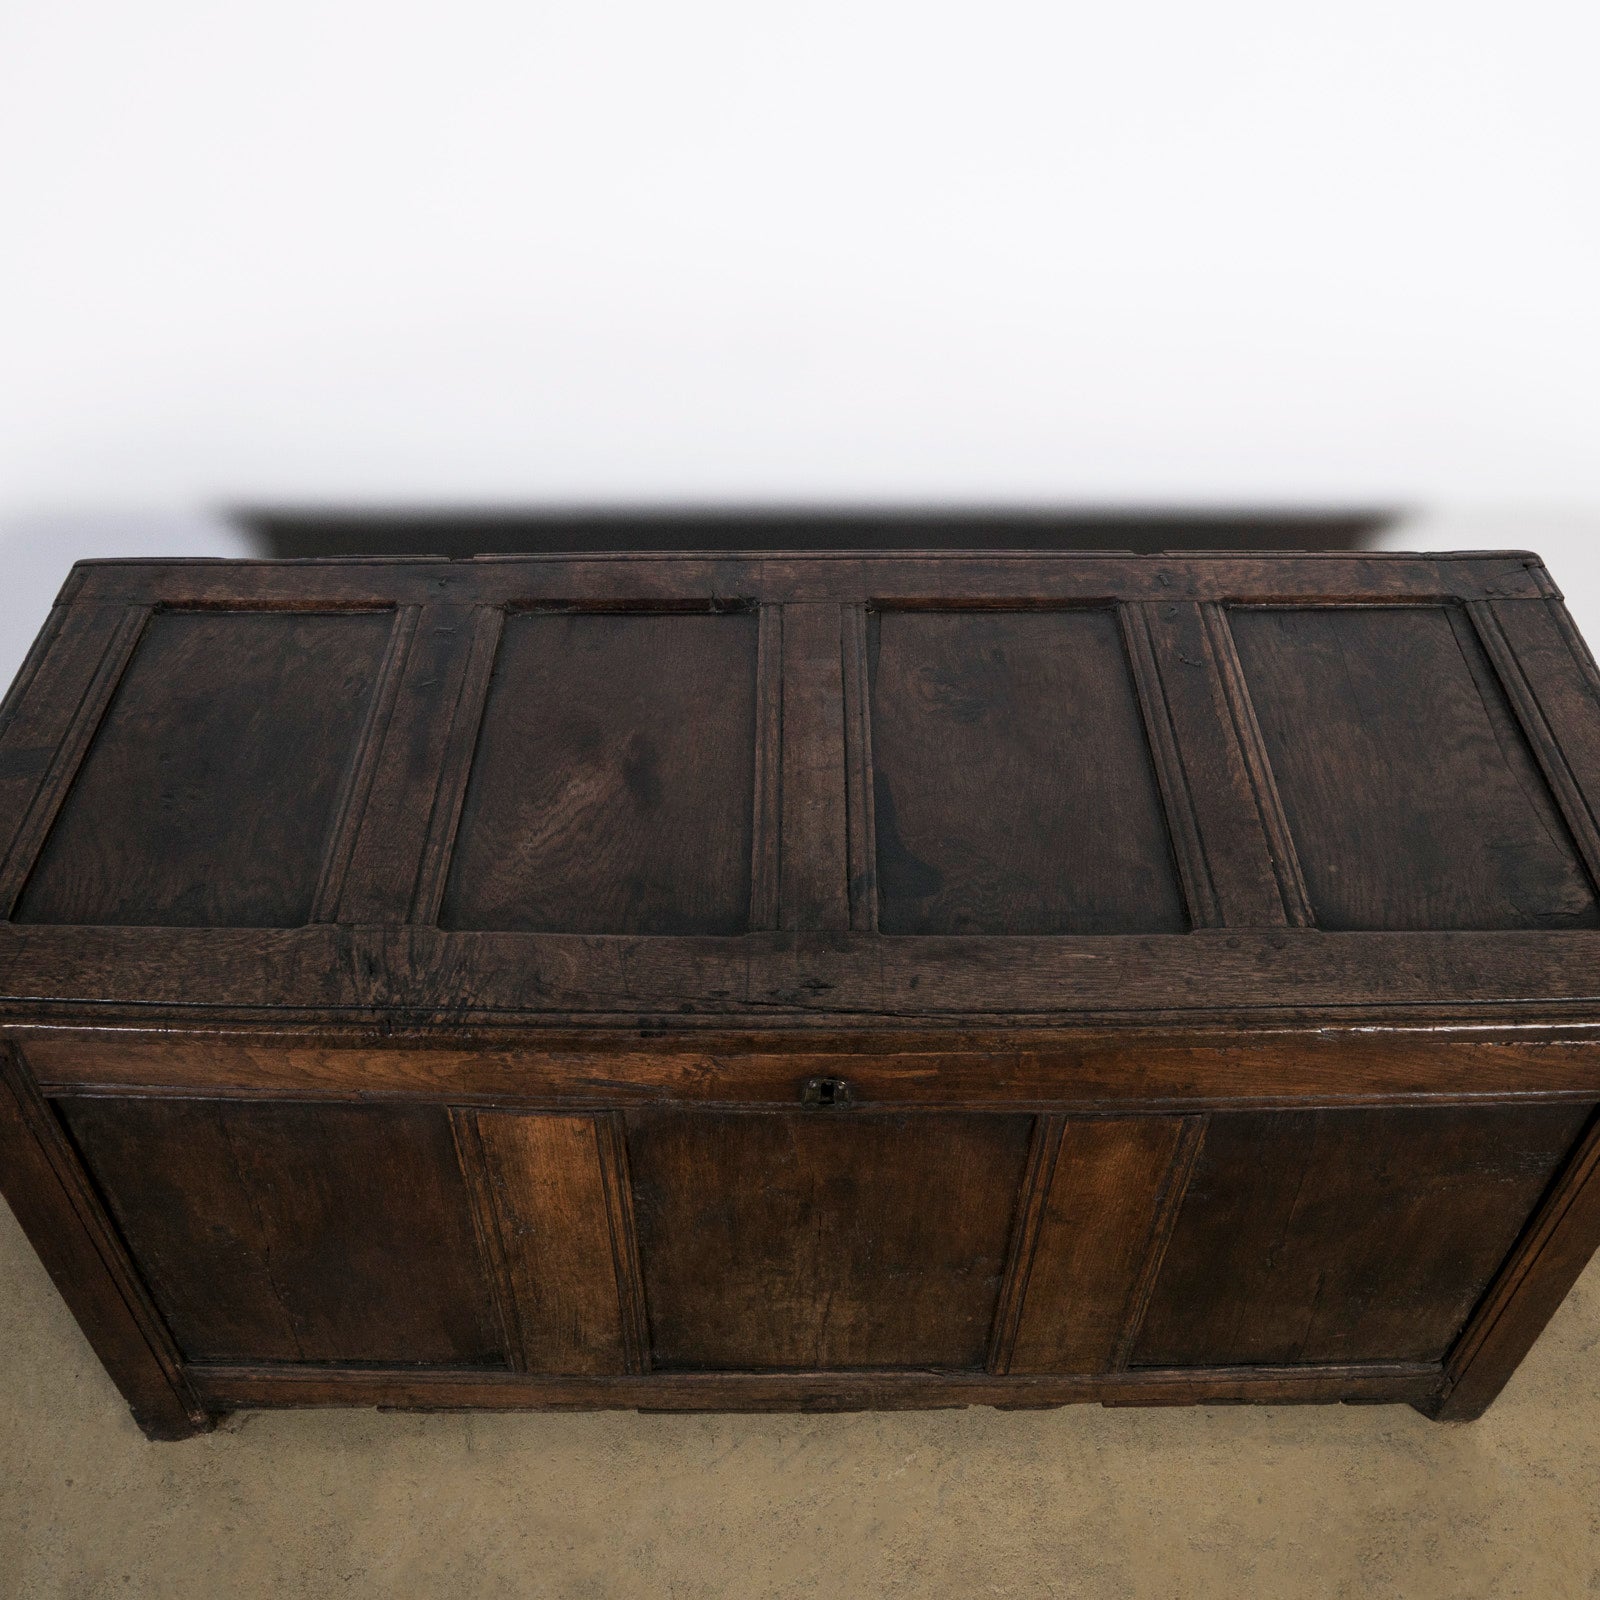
point(1175, 1504)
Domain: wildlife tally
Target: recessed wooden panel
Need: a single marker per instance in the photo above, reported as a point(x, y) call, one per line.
point(823, 1240)
point(1096, 1232)
point(1014, 785)
point(208, 795)
point(546, 1217)
point(613, 786)
point(1347, 1235)
point(295, 1232)
point(1409, 789)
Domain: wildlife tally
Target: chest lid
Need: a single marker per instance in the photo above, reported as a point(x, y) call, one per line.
point(911, 790)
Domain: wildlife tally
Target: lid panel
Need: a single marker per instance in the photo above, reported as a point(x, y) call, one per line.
point(1015, 792)
point(613, 786)
point(209, 794)
point(1409, 788)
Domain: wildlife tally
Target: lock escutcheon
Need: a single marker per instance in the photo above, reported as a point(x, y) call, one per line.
point(825, 1093)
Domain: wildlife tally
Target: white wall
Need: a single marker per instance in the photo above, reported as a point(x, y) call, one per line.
point(621, 252)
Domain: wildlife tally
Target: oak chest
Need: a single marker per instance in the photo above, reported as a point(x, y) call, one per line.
point(813, 981)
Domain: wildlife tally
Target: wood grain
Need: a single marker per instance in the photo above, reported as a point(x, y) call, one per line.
point(768, 1241)
point(1531, 1286)
point(62, 1216)
point(613, 786)
point(816, 873)
point(66, 710)
point(293, 1232)
point(207, 798)
point(1097, 1228)
point(1179, 802)
point(1411, 792)
point(766, 846)
point(349, 808)
point(1043, 1149)
point(860, 783)
point(387, 855)
point(991, 814)
point(226, 1387)
point(920, 577)
point(1083, 1072)
point(546, 1212)
point(1347, 1235)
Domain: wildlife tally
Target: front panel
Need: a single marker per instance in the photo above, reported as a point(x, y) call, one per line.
point(682, 1241)
point(282, 1232)
point(1347, 1235)
point(817, 1242)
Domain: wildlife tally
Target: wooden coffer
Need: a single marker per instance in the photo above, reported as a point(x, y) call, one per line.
point(713, 982)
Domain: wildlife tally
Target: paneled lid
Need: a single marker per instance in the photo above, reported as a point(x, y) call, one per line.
point(900, 791)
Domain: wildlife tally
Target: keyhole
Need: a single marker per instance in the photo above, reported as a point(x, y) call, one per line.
point(825, 1092)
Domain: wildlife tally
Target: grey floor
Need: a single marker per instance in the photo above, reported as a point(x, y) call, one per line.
point(1326, 1501)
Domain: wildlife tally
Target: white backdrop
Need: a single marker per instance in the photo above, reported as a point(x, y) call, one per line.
point(1150, 253)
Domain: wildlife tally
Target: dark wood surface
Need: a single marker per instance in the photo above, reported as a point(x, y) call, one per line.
point(1329, 1236)
point(817, 1241)
point(550, 1240)
point(1107, 1208)
point(329, 1233)
point(57, 1206)
point(611, 783)
point(1411, 795)
point(207, 798)
point(801, 980)
point(1015, 788)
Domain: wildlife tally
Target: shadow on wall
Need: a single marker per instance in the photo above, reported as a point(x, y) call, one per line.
point(466, 532)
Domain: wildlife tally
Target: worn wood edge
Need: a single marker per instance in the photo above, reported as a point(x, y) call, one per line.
point(1163, 1221)
point(87, 565)
point(420, 975)
point(766, 826)
point(1196, 882)
point(1008, 578)
point(69, 755)
point(860, 777)
point(1575, 643)
point(362, 765)
point(1044, 1149)
point(544, 1100)
point(1529, 1289)
point(1567, 1039)
point(632, 1306)
point(188, 1414)
point(494, 1263)
point(461, 744)
point(31, 662)
point(1252, 746)
point(1153, 1060)
point(1098, 1074)
point(1546, 748)
point(229, 1387)
point(442, 1026)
